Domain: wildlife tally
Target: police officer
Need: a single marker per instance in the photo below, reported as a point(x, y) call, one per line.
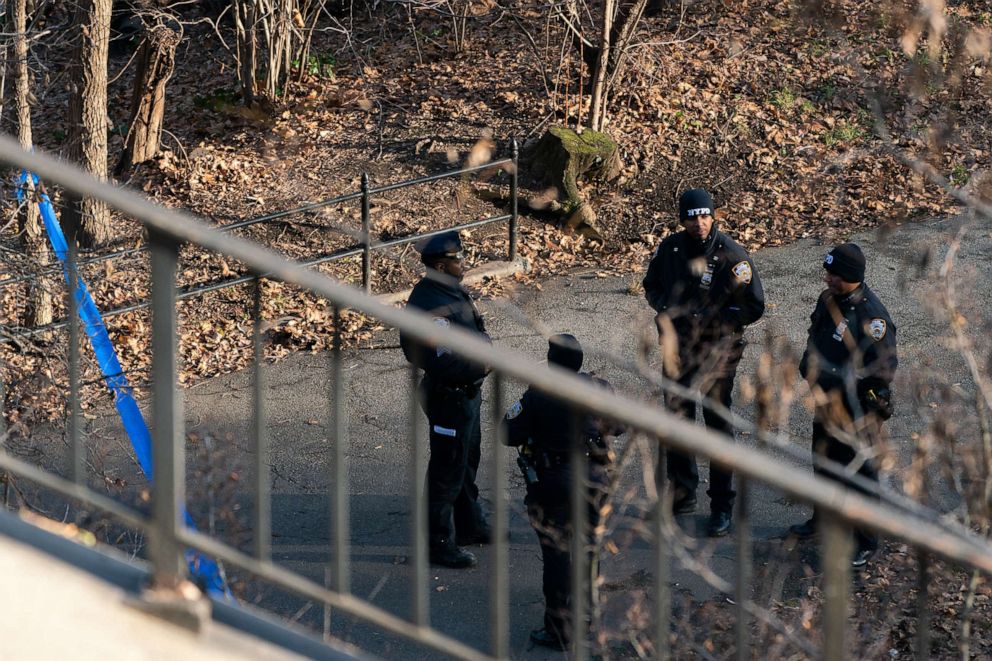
point(849, 362)
point(451, 396)
point(538, 424)
point(705, 290)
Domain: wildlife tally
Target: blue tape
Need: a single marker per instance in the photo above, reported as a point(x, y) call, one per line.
point(113, 375)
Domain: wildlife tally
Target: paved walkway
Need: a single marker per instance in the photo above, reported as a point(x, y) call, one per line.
point(608, 317)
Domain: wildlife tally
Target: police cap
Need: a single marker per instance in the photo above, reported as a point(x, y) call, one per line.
point(446, 244)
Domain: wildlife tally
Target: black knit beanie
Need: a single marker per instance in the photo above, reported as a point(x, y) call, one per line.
point(695, 202)
point(846, 261)
point(565, 350)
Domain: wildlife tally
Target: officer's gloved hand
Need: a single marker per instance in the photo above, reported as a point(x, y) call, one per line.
point(876, 398)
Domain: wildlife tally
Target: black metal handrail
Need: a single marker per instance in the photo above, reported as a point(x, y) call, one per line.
point(364, 248)
point(841, 508)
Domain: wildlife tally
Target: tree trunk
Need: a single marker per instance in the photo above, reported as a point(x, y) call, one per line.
point(88, 219)
point(596, 112)
point(247, 49)
point(156, 60)
point(39, 308)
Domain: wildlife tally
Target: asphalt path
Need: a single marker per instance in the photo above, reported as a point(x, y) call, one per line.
point(609, 316)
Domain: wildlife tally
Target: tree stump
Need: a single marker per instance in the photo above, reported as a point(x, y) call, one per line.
point(561, 156)
point(156, 60)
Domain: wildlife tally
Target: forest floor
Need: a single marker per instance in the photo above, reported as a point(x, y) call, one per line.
point(766, 105)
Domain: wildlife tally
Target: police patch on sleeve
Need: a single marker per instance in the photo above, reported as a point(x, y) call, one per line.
point(877, 328)
point(514, 410)
point(742, 271)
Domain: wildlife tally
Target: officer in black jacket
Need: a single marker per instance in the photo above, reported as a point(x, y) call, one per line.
point(451, 396)
point(705, 290)
point(539, 424)
point(849, 362)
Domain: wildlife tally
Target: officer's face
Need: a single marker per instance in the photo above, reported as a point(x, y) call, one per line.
point(453, 266)
point(698, 227)
point(838, 285)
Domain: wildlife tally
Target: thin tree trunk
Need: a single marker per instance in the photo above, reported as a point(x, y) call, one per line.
point(39, 309)
point(596, 112)
point(88, 219)
point(244, 20)
point(156, 61)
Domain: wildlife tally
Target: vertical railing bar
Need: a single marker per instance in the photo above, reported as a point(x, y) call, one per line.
point(168, 450)
point(263, 502)
point(579, 538)
point(515, 149)
point(78, 457)
point(743, 583)
point(662, 570)
point(836, 559)
point(366, 236)
point(339, 428)
point(499, 606)
point(923, 606)
point(418, 522)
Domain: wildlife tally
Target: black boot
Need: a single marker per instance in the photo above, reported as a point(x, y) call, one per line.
point(546, 638)
point(719, 524)
point(805, 530)
point(684, 501)
point(449, 555)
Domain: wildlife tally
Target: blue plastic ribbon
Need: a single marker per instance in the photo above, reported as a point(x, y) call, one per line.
point(113, 375)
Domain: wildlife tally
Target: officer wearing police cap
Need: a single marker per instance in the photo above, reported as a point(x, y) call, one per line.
point(849, 362)
point(451, 397)
point(705, 290)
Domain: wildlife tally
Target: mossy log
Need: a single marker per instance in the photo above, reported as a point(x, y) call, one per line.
point(562, 156)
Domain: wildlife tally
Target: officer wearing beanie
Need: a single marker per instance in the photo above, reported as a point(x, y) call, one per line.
point(705, 290)
point(451, 397)
point(849, 362)
point(538, 424)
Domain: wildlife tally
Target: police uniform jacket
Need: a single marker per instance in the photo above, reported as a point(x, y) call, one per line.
point(450, 305)
point(709, 289)
point(543, 422)
point(850, 337)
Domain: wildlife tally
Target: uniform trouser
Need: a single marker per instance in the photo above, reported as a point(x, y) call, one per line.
point(549, 508)
point(827, 446)
point(714, 379)
point(455, 441)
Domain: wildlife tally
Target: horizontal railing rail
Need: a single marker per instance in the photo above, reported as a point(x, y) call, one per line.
point(363, 247)
point(841, 507)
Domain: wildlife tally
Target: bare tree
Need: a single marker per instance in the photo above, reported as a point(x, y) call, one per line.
point(86, 218)
point(39, 308)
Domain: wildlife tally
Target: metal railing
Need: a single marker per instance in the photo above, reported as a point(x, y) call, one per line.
point(841, 508)
point(365, 247)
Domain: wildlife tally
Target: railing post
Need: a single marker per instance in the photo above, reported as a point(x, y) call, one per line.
point(662, 571)
point(923, 606)
point(263, 503)
point(499, 604)
point(366, 236)
point(515, 149)
point(836, 559)
point(743, 588)
point(339, 428)
point(168, 450)
point(78, 459)
point(580, 538)
point(418, 496)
